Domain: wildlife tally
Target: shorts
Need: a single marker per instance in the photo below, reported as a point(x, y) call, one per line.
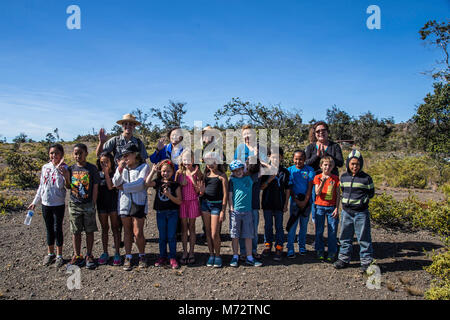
point(106, 208)
point(82, 217)
point(212, 206)
point(136, 211)
point(241, 225)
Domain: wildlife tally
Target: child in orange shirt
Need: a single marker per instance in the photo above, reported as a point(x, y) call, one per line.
point(327, 205)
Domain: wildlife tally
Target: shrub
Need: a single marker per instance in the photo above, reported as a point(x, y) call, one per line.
point(440, 268)
point(410, 172)
point(10, 203)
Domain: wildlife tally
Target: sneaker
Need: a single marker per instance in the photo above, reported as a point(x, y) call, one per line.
point(142, 262)
point(48, 260)
point(278, 251)
point(242, 258)
point(59, 262)
point(103, 259)
point(174, 264)
point(127, 264)
point(319, 255)
point(253, 263)
point(331, 258)
point(218, 262)
point(339, 264)
point(210, 261)
point(90, 263)
point(234, 262)
point(302, 252)
point(117, 261)
point(291, 254)
point(161, 262)
point(267, 250)
point(77, 261)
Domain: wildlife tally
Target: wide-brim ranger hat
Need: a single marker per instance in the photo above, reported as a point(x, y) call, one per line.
point(128, 118)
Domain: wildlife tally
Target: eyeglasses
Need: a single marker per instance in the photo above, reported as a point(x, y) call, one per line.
point(321, 131)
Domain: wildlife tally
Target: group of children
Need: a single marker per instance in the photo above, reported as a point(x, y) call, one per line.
point(117, 191)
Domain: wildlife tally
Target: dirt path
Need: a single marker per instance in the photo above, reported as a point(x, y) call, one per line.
point(400, 256)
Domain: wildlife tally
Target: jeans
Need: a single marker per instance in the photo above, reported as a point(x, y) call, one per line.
point(255, 215)
point(167, 227)
point(302, 230)
point(268, 227)
point(313, 206)
point(356, 223)
point(323, 212)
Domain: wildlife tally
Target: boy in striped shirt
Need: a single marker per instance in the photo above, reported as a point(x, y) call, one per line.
point(356, 188)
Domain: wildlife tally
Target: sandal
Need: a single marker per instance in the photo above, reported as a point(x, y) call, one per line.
point(183, 260)
point(191, 260)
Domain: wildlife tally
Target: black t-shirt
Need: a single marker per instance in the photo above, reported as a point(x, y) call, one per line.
point(256, 191)
point(161, 201)
point(274, 197)
point(107, 199)
point(82, 180)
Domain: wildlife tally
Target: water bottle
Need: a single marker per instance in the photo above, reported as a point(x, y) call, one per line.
point(28, 217)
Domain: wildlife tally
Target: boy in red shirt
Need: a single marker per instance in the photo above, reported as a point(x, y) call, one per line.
point(327, 205)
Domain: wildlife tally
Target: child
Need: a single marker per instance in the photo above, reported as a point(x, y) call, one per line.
point(300, 181)
point(82, 180)
point(357, 188)
point(189, 177)
point(107, 206)
point(51, 193)
point(275, 199)
point(241, 217)
point(214, 203)
point(167, 203)
point(327, 205)
point(253, 165)
point(130, 180)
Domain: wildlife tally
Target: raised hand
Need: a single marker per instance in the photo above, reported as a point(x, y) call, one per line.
point(160, 144)
point(102, 135)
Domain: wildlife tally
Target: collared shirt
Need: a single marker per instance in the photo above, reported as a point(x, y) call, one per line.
point(116, 145)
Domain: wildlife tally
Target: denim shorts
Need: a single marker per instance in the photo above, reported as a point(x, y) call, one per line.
point(213, 207)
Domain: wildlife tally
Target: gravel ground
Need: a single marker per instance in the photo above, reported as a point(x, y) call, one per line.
point(400, 256)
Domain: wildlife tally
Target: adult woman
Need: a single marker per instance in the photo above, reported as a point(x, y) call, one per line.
point(172, 150)
point(320, 146)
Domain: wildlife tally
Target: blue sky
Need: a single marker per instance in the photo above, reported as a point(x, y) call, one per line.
point(306, 55)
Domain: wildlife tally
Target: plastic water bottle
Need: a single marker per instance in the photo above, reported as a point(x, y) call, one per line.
point(28, 217)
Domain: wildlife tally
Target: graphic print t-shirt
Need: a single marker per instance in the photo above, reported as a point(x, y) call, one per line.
point(162, 202)
point(327, 196)
point(82, 180)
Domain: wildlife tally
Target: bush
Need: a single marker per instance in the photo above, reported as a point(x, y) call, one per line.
point(411, 214)
point(440, 268)
point(410, 172)
point(10, 203)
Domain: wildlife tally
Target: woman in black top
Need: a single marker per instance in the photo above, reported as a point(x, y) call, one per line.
point(319, 147)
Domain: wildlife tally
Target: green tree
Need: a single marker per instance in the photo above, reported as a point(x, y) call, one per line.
point(340, 123)
point(370, 133)
point(171, 115)
point(438, 34)
point(433, 121)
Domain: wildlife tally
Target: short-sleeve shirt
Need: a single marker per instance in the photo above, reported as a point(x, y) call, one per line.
point(116, 144)
point(300, 178)
point(162, 202)
point(242, 193)
point(82, 180)
point(327, 196)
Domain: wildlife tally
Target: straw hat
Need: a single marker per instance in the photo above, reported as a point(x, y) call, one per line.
point(128, 118)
